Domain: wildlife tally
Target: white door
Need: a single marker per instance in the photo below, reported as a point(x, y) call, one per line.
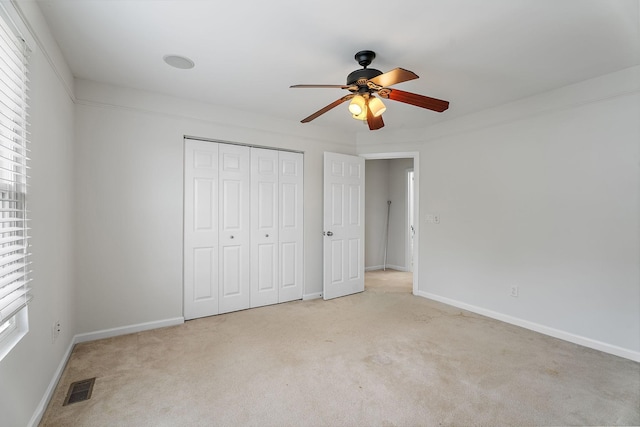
point(200, 229)
point(264, 227)
point(291, 168)
point(343, 225)
point(234, 226)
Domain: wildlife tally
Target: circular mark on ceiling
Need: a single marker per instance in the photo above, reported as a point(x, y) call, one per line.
point(178, 61)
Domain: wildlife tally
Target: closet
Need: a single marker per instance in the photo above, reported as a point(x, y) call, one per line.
point(242, 227)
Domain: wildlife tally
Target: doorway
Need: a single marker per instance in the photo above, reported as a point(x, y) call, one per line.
point(392, 177)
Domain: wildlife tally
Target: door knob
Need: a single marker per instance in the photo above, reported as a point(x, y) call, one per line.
point(266, 235)
point(329, 233)
point(232, 237)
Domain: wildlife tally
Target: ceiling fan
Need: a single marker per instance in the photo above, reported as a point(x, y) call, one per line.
point(364, 84)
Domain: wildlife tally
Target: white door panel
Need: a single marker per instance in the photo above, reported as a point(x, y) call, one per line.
point(264, 227)
point(337, 258)
point(289, 267)
point(204, 274)
point(200, 229)
point(343, 225)
point(354, 259)
point(233, 262)
point(290, 195)
point(266, 268)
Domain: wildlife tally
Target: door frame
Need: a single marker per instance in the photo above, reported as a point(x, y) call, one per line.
point(416, 202)
point(410, 216)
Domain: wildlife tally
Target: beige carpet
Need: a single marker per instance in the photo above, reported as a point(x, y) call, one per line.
point(379, 358)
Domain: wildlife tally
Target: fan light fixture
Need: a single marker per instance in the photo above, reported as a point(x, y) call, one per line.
point(357, 105)
point(376, 106)
point(361, 116)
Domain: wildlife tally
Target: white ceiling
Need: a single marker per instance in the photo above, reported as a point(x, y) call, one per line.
point(475, 54)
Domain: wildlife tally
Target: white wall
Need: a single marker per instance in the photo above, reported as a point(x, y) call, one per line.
point(541, 194)
point(129, 197)
point(28, 369)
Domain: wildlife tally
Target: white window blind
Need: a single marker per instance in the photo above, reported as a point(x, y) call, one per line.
point(14, 239)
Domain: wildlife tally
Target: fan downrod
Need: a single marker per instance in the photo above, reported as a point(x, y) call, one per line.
point(365, 57)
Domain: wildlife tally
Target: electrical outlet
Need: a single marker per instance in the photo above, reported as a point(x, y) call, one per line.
point(433, 218)
point(55, 330)
point(514, 291)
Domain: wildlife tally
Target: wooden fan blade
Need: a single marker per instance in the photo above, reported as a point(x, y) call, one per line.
point(327, 108)
point(320, 86)
point(374, 122)
point(395, 76)
point(414, 99)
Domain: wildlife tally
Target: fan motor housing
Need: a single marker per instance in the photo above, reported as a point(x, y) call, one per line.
point(365, 73)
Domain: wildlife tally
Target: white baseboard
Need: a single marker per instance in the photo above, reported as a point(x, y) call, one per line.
point(556, 333)
point(42, 406)
point(114, 332)
point(389, 266)
point(397, 267)
point(314, 295)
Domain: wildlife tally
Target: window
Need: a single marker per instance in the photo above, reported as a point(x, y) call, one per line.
point(14, 239)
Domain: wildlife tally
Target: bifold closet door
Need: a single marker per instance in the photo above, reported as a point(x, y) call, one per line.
point(234, 227)
point(276, 226)
point(200, 229)
point(290, 194)
point(243, 227)
point(264, 227)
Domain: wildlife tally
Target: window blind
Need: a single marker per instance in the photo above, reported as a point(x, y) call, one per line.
point(14, 230)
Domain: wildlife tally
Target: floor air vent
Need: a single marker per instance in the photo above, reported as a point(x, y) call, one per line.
point(79, 391)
